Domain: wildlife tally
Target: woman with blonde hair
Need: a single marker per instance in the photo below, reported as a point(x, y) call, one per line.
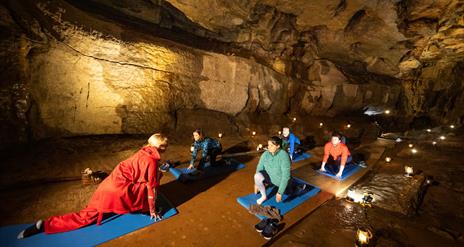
point(131, 187)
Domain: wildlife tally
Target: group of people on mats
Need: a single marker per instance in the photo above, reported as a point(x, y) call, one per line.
point(133, 184)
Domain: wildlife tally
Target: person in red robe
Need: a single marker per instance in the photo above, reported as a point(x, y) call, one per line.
point(131, 187)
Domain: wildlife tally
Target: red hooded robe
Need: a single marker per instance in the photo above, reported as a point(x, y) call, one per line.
point(125, 190)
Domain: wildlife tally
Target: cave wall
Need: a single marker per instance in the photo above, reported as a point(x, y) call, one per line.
point(113, 67)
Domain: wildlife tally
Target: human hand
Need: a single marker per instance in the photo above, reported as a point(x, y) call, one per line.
point(322, 169)
point(278, 197)
point(155, 216)
point(190, 167)
point(256, 189)
point(339, 175)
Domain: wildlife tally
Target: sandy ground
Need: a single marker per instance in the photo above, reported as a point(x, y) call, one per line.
point(208, 212)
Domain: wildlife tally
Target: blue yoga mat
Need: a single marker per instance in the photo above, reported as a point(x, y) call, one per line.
point(301, 156)
point(92, 235)
point(350, 169)
point(287, 204)
point(184, 174)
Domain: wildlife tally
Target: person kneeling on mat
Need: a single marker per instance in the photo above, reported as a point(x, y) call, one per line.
point(289, 142)
point(209, 147)
point(273, 169)
point(336, 153)
point(131, 187)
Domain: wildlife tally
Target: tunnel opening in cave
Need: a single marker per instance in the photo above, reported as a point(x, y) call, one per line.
point(224, 123)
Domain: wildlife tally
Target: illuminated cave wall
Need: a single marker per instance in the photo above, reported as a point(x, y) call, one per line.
point(68, 72)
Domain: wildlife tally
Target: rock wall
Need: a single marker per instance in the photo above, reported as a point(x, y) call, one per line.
point(101, 67)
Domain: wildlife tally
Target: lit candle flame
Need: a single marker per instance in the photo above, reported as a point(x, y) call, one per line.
point(280, 132)
point(294, 119)
point(363, 236)
point(259, 147)
point(348, 126)
point(321, 124)
point(388, 159)
point(442, 137)
point(387, 112)
point(253, 133)
point(452, 126)
point(429, 130)
point(410, 145)
point(355, 196)
point(408, 170)
point(434, 143)
point(220, 135)
point(414, 150)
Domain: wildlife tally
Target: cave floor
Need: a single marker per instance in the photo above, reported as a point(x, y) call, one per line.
point(208, 212)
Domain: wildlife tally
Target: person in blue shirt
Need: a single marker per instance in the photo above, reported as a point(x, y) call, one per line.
point(209, 147)
point(289, 142)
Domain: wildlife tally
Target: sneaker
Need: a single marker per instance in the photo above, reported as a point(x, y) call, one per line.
point(31, 230)
point(261, 225)
point(270, 230)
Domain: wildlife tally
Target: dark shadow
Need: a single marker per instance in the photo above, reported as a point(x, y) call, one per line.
point(308, 143)
point(238, 148)
point(178, 193)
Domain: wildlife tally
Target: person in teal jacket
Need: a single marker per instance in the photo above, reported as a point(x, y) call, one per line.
point(273, 169)
point(289, 142)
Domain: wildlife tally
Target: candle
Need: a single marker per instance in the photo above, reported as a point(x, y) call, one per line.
point(442, 137)
point(354, 196)
point(434, 143)
point(408, 170)
point(452, 126)
point(294, 119)
point(259, 147)
point(413, 150)
point(280, 132)
point(321, 124)
point(388, 159)
point(387, 112)
point(429, 130)
point(220, 135)
point(253, 133)
point(363, 237)
point(348, 126)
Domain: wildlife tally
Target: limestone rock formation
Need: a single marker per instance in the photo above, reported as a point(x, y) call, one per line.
point(109, 67)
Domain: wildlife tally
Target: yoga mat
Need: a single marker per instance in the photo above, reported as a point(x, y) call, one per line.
point(301, 156)
point(350, 169)
point(112, 227)
point(183, 174)
point(287, 204)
